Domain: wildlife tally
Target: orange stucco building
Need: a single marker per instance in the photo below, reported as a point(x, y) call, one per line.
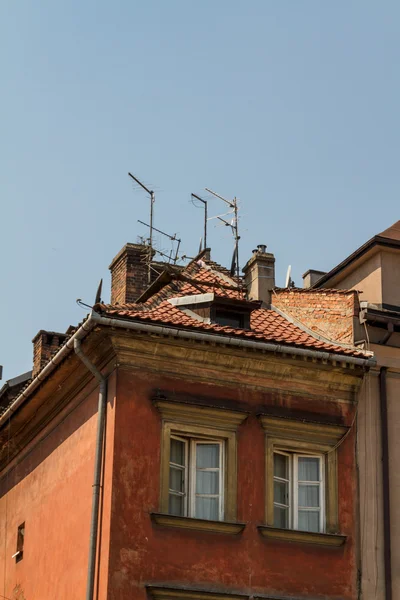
point(195, 444)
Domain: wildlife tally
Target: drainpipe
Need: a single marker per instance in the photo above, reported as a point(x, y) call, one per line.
point(385, 484)
point(98, 459)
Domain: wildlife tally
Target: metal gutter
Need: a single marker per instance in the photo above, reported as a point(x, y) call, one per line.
point(98, 461)
point(51, 365)
point(167, 330)
point(233, 341)
point(387, 552)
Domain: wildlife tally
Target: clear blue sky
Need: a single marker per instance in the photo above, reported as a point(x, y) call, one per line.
point(292, 106)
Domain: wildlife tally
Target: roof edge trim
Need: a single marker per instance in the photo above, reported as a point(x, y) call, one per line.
point(377, 240)
point(96, 319)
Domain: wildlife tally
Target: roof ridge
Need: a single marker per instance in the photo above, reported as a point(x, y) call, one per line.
point(316, 290)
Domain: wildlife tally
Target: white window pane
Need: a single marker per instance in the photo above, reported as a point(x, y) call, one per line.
point(281, 517)
point(281, 493)
point(309, 520)
point(177, 454)
point(308, 495)
point(308, 468)
point(207, 482)
point(207, 456)
point(176, 479)
point(207, 508)
point(176, 505)
point(281, 466)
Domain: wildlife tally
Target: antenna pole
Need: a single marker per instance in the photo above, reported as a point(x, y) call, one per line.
point(234, 225)
point(152, 200)
point(205, 225)
point(205, 217)
point(237, 238)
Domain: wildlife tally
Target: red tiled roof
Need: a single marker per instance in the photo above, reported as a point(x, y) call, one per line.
point(265, 325)
point(193, 280)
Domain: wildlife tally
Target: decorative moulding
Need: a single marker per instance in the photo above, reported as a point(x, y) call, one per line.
point(226, 527)
point(167, 593)
point(293, 429)
point(179, 412)
point(304, 537)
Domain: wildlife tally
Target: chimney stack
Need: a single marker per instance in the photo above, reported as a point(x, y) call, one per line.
point(129, 273)
point(45, 343)
point(259, 275)
point(311, 276)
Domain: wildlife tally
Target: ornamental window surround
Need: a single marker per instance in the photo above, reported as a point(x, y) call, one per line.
point(198, 464)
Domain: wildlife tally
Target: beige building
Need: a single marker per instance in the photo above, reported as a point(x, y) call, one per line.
point(374, 271)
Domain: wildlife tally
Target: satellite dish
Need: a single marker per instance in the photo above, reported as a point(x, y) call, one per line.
point(288, 280)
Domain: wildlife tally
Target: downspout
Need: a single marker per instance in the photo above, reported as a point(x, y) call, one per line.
point(98, 459)
point(385, 483)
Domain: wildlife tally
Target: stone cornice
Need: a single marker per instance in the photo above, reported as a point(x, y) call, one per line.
point(296, 429)
point(179, 412)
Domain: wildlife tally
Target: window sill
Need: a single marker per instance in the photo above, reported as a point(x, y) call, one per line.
point(197, 524)
point(169, 593)
point(304, 537)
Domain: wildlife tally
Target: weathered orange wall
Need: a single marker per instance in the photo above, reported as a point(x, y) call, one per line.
point(143, 553)
point(50, 488)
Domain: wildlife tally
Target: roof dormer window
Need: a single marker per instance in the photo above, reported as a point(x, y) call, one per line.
point(228, 312)
point(231, 318)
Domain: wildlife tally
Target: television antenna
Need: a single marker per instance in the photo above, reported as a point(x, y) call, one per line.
point(205, 219)
point(152, 200)
point(234, 226)
point(173, 238)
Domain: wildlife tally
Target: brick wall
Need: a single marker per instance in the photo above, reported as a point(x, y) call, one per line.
point(329, 313)
point(45, 343)
point(129, 274)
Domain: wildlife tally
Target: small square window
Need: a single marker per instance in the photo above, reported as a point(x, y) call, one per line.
point(20, 543)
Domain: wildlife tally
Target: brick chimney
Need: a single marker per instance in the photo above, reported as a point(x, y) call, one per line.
point(311, 276)
point(259, 275)
point(129, 277)
point(44, 345)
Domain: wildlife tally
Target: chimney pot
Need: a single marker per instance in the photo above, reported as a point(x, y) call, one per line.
point(129, 274)
point(259, 275)
point(45, 343)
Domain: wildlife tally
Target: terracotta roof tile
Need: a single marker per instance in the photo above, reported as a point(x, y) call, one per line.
point(265, 325)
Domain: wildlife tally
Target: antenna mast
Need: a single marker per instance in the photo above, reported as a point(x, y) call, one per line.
point(152, 200)
point(173, 238)
point(205, 217)
point(234, 225)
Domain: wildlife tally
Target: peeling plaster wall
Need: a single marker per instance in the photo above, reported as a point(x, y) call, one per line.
point(145, 553)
